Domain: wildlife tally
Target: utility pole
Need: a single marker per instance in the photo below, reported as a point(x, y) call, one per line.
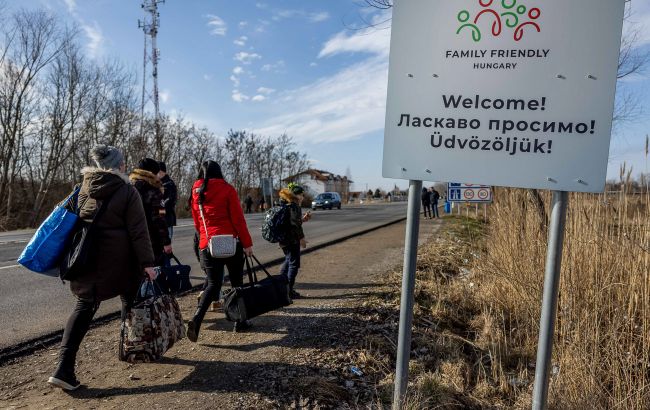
point(150, 26)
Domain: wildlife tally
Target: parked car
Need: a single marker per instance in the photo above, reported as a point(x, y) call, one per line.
point(327, 200)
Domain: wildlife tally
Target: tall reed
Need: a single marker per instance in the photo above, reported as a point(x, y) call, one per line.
point(601, 352)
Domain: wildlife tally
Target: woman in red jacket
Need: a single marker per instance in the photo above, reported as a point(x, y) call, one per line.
point(223, 216)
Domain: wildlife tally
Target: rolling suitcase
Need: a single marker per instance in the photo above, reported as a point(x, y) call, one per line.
point(258, 296)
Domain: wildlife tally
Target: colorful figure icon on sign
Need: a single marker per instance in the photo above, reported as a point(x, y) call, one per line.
point(509, 13)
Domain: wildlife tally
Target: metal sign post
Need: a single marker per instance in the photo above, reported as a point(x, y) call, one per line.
point(549, 302)
point(408, 293)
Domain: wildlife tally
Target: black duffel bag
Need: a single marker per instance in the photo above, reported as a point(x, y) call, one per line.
point(174, 278)
point(258, 296)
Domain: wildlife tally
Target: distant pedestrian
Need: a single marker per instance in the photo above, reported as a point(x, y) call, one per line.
point(223, 216)
point(145, 179)
point(292, 197)
point(435, 197)
point(170, 197)
point(426, 202)
point(120, 253)
point(249, 204)
point(261, 203)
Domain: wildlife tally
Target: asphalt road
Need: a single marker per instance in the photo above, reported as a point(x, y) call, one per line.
point(32, 305)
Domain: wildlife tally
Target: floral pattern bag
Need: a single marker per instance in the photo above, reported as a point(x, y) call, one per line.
point(152, 326)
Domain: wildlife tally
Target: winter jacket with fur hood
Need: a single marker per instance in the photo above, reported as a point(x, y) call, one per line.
point(121, 248)
point(151, 192)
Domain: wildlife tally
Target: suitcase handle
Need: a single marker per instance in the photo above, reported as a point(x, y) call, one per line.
point(252, 276)
point(172, 256)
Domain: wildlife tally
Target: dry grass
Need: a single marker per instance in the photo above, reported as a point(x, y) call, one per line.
point(478, 297)
point(601, 353)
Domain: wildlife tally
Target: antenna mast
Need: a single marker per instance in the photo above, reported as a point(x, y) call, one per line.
point(150, 26)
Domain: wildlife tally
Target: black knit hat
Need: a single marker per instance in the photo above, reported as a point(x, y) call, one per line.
point(163, 166)
point(150, 165)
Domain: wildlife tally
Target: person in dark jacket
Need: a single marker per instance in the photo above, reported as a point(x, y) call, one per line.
point(249, 204)
point(426, 202)
point(223, 216)
point(435, 197)
point(294, 240)
point(170, 197)
point(119, 256)
point(145, 179)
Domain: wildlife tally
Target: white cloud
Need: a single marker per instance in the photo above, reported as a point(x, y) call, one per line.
point(207, 77)
point(639, 22)
point(242, 24)
point(259, 98)
point(235, 80)
point(238, 70)
point(366, 41)
point(343, 106)
point(164, 95)
point(265, 90)
point(314, 17)
point(277, 66)
point(96, 40)
point(71, 5)
point(217, 25)
point(241, 41)
point(318, 17)
point(312, 64)
point(246, 58)
point(239, 97)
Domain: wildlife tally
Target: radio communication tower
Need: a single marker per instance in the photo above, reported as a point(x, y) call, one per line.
point(150, 26)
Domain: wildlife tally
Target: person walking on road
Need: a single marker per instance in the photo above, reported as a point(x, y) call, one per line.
point(170, 197)
point(426, 202)
point(249, 204)
point(435, 197)
point(261, 203)
point(119, 256)
point(145, 179)
point(223, 216)
point(294, 240)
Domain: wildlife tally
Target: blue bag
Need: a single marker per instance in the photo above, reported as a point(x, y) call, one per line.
point(44, 250)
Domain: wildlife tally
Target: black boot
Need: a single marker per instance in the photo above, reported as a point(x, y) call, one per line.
point(194, 325)
point(64, 376)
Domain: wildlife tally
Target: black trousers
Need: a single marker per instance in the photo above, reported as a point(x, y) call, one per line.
point(427, 209)
point(78, 325)
point(214, 270)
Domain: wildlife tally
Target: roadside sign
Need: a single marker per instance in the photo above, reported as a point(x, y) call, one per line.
point(469, 193)
point(505, 93)
point(267, 186)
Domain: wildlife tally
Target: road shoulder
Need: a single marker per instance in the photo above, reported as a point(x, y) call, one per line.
point(290, 356)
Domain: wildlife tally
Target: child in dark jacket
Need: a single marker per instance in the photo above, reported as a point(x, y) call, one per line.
point(294, 240)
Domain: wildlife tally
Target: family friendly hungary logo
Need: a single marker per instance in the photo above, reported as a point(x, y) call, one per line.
point(516, 17)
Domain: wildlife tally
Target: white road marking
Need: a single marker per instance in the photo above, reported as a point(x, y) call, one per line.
point(9, 267)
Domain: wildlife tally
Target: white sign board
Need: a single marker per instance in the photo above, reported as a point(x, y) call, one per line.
point(502, 92)
point(469, 193)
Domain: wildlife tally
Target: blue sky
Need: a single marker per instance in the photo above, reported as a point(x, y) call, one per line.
point(288, 65)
